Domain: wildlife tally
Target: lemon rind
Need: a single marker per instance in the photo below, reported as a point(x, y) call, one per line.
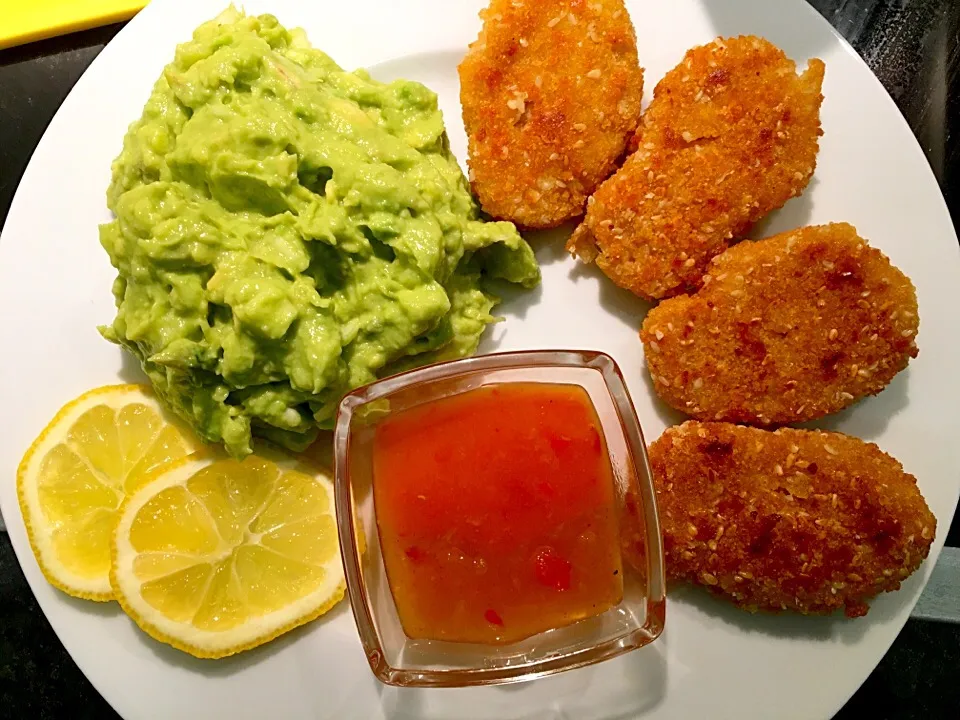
point(207, 644)
point(98, 590)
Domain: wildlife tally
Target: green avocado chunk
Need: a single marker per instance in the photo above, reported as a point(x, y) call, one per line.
point(286, 231)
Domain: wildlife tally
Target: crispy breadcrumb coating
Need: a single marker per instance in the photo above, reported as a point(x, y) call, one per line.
point(785, 329)
point(551, 94)
point(787, 520)
point(732, 133)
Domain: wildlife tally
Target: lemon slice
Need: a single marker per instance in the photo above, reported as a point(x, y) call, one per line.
point(214, 556)
point(71, 481)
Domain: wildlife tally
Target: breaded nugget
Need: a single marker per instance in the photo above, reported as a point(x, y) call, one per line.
point(787, 520)
point(732, 133)
point(785, 329)
point(551, 94)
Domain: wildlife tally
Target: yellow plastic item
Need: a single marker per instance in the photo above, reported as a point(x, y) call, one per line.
point(24, 21)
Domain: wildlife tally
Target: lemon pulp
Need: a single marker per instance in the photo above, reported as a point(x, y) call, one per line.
point(216, 555)
point(75, 475)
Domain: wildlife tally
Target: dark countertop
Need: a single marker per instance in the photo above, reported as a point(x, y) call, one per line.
point(913, 46)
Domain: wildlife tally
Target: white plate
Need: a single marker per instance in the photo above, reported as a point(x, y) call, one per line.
point(713, 661)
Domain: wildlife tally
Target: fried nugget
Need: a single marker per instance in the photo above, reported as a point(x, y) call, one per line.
point(785, 329)
point(732, 133)
point(787, 520)
point(551, 95)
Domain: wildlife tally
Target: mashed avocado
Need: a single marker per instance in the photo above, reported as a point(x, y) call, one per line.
point(286, 231)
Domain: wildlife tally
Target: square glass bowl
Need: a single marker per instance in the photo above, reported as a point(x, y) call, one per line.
point(399, 660)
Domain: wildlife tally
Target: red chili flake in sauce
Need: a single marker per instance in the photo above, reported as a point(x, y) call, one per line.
point(508, 491)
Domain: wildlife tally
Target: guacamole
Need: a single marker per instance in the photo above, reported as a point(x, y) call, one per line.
point(286, 231)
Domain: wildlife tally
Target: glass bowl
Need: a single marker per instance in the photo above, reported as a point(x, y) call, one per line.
point(399, 660)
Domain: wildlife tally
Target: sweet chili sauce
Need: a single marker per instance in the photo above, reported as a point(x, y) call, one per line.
point(496, 513)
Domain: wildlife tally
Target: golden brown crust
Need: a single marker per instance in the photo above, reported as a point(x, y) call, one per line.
point(732, 133)
point(551, 93)
point(785, 330)
point(787, 520)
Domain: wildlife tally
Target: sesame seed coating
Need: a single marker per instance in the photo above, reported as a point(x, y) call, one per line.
point(798, 520)
point(551, 94)
point(732, 133)
point(784, 330)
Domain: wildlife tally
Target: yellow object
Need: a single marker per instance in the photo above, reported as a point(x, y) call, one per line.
point(72, 479)
point(214, 556)
point(23, 21)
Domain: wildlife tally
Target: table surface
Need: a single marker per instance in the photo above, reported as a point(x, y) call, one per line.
point(913, 46)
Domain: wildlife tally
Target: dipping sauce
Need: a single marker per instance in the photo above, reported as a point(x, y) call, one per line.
point(496, 513)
